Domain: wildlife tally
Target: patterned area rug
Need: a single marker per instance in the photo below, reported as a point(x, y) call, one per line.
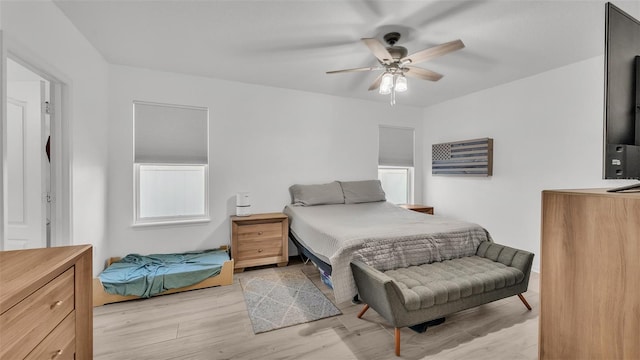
point(284, 298)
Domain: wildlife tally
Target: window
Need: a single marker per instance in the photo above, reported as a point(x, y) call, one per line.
point(181, 188)
point(396, 183)
point(170, 163)
point(395, 163)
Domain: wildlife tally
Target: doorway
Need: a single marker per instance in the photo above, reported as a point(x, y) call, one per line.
point(29, 194)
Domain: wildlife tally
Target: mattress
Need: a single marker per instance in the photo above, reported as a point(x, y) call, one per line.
point(381, 235)
point(148, 275)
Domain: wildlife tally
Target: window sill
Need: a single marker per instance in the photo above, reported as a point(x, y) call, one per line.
point(151, 223)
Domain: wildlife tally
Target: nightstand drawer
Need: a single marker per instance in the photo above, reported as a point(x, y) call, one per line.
point(257, 248)
point(23, 326)
point(259, 231)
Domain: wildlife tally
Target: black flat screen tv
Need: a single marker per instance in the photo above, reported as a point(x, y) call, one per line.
point(622, 96)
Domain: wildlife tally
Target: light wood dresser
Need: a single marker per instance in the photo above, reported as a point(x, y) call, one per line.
point(45, 303)
point(590, 275)
point(260, 239)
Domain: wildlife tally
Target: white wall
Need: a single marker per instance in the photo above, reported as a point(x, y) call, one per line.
point(40, 34)
point(547, 132)
point(3, 130)
point(262, 140)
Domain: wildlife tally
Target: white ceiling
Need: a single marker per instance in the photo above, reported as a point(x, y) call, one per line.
point(291, 44)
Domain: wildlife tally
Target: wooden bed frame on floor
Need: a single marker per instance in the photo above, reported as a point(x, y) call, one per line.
point(225, 277)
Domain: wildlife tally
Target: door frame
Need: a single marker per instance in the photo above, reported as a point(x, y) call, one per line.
point(61, 177)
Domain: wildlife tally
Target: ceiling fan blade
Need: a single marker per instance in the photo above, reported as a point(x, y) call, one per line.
point(376, 83)
point(421, 73)
point(432, 52)
point(378, 49)
point(371, 68)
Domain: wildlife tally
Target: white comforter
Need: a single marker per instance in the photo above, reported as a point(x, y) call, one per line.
point(380, 234)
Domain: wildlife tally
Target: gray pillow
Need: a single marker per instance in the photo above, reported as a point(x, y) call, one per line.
point(320, 194)
point(362, 191)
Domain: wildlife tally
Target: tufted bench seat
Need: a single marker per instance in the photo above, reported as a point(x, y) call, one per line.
point(417, 294)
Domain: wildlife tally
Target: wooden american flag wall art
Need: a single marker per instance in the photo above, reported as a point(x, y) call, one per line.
point(463, 158)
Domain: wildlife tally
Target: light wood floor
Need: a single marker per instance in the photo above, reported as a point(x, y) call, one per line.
point(213, 324)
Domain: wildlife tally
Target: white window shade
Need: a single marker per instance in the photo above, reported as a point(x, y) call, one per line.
point(166, 134)
point(396, 146)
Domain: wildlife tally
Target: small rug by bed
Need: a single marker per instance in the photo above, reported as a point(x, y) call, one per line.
point(281, 298)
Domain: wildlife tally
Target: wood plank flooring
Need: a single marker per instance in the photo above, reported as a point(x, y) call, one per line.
point(213, 324)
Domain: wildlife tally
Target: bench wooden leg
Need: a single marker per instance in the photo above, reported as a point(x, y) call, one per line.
point(524, 301)
point(397, 341)
point(364, 310)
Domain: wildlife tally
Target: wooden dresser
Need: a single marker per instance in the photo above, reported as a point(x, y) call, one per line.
point(590, 275)
point(45, 303)
point(259, 239)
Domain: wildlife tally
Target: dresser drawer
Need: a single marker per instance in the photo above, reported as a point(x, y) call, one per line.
point(259, 231)
point(60, 344)
point(25, 325)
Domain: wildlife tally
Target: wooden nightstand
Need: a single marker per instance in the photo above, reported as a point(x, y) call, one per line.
point(419, 208)
point(260, 239)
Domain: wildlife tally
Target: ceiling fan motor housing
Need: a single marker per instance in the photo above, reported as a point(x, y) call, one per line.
point(397, 52)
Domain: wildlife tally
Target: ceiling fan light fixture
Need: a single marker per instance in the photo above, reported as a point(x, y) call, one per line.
point(401, 84)
point(386, 84)
point(395, 63)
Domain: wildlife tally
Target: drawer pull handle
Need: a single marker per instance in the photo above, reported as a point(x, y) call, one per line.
point(57, 303)
point(58, 353)
point(260, 250)
point(259, 232)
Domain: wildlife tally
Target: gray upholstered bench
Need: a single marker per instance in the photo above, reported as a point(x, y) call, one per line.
point(417, 294)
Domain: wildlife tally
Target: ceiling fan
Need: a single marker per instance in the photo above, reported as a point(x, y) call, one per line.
point(395, 63)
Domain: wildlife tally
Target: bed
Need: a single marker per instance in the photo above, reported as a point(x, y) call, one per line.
point(136, 276)
point(357, 223)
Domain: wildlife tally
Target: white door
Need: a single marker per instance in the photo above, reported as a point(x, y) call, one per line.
point(26, 200)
